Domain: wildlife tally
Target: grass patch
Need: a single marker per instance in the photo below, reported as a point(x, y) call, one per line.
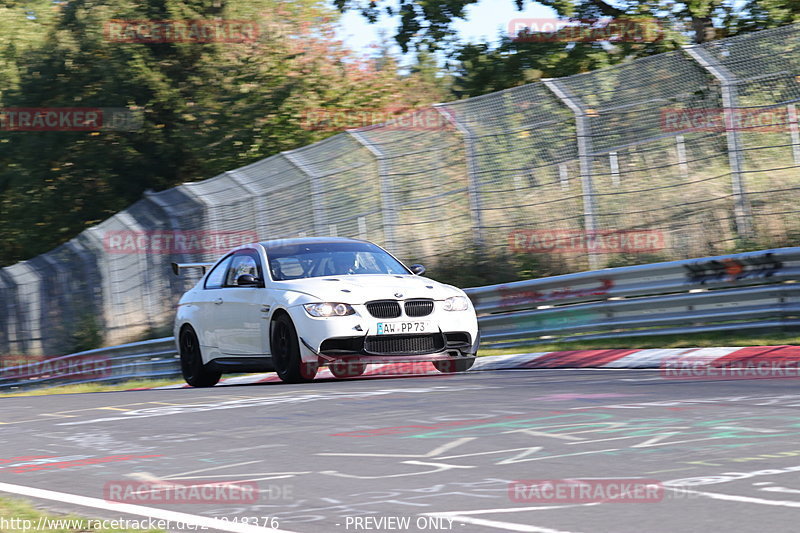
point(695, 340)
point(95, 387)
point(16, 512)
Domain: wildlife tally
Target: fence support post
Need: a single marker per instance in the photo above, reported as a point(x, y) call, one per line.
point(260, 214)
point(730, 106)
point(90, 267)
point(178, 284)
point(12, 317)
point(317, 194)
point(680, 148)
point(613, 163)
point(473, 187)
point(389, 207)
point(794, 131)
point(584, 135)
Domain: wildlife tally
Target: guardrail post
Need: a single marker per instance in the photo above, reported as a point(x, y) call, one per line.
point(317, 194)
point(730, 105)
point(473, 186)
point(584, 134)
point(388, 204)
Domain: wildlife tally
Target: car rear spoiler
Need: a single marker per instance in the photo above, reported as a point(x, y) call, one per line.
point(177, 267)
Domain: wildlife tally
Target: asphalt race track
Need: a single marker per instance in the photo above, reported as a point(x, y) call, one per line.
point(425, 453)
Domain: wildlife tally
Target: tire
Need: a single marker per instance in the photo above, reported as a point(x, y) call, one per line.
point(194, 371)
point(449, 366)
point(347, 370)
point(285, 349)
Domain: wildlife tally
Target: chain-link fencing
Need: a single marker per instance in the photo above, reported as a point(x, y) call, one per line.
point(686, 154)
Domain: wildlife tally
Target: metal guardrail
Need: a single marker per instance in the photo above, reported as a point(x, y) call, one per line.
point(151, 359)
point(739, 291)
point(754, 290)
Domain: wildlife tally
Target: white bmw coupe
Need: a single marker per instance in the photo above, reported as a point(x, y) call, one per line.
point(293, 305)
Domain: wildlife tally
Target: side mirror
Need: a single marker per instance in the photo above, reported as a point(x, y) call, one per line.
point(247, 280)
point(418, 269)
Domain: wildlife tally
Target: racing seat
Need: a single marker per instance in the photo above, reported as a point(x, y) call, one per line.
point(275, 267)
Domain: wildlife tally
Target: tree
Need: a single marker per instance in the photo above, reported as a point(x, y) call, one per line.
point(484, 67)
point(430, 24)
point(206, 107)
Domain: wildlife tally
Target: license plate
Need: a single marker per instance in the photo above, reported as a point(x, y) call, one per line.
point(412, 326)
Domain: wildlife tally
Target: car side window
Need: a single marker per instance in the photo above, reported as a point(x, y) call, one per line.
point(217, 276)
point(244, 262)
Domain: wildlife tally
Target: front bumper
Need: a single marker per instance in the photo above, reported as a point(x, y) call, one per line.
point(355, 337)
point(397, 345)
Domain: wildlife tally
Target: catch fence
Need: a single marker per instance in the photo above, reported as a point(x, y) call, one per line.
point(686, 154)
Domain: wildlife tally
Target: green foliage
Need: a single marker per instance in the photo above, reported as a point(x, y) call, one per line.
point(207, 107)
point(86, 335)
point(26, 513)
point(471, 268)
point(484, 67)
point(157, 331)
point(213, 107)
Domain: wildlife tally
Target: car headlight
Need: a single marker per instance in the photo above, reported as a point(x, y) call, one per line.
point(327, 309)
point(456, 303)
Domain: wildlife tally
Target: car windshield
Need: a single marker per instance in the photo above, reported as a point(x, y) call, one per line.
point(287, 262)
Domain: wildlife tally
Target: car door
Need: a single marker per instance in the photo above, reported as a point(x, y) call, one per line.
point(239, 314)
point(208, 302)
point(275, 292)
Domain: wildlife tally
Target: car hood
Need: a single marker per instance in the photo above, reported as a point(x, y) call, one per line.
point(360, 288)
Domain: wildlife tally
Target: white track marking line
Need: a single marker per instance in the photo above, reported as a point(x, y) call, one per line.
point(433, 453)
point(163, 484)
point(272, 475)
point(137, 510)
point(213, 468)
point(734, 498)
point(461, 514)
point(502, 525)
